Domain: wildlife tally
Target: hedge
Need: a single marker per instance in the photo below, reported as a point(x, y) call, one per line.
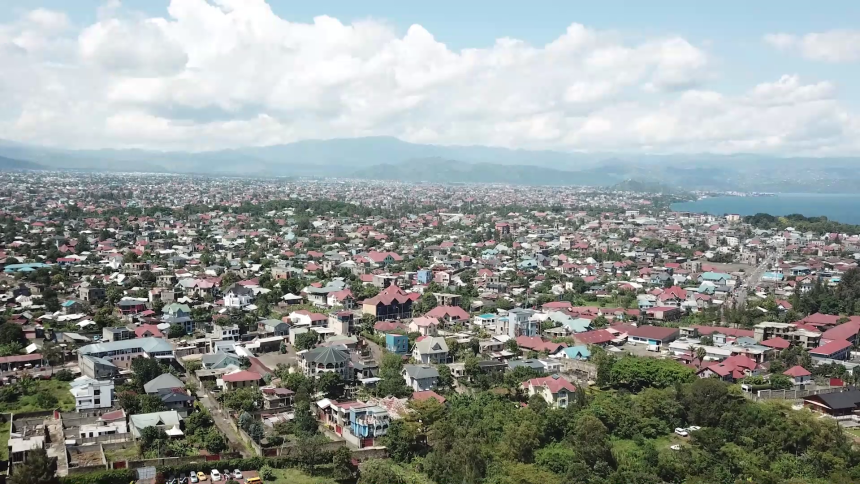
point(113, 476)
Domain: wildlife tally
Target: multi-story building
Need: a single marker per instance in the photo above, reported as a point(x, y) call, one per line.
point(518, 322)
point(90, 393)
point(325, 359)
point(121, 353)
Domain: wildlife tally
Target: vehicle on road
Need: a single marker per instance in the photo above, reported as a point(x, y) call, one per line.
point(693, 428)
point(675, 447)
point(253, 480)
point(682, 432)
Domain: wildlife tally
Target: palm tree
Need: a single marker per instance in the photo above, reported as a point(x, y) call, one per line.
point(53, 354)
point(701, 353)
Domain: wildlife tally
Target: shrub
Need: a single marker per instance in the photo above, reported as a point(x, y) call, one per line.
point(113, 476)
point(64, 375)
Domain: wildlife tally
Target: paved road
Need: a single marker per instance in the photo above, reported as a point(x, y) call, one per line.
point(752, 279)
point(223, 424)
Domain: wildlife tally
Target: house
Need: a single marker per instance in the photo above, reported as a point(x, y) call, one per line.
point(800, 376)
point(554, 389)
point(178, 401)
point(110, 423)
point(274, 327)
point(241, 379)
point(325, 359)
point(219, 360)
point(169, 421)
point(121, 353)
point(574, 353)
point(448, 314)
point(420, 377)
point(97, 368)
point(342, 322)
point(342, 298)
point(238, 296)
point(731, 369)
point(117, 334)
point(663, 314)
point(368, 423)
point(834, 350)
point(397, 343)
point(91, 394)
point(391, 303)
point(518, 322)
point(90, 294)
point(424, 326)
point(175, 313)
point(274, 397)
point(225, 332)
point(165, 381)
point(653, 336)
point(430, 350)
point(131, 306)
point(835, 404)
point(148, 330)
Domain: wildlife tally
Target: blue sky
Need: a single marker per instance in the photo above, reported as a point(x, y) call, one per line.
point(729, 33)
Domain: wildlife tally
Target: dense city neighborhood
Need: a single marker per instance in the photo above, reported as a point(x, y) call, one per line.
point(166, 328)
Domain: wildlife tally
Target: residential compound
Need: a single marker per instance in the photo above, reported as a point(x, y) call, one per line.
point(255, 280)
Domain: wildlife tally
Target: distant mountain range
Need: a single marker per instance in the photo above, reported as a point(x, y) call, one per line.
point(392, 159)
point(11, 164)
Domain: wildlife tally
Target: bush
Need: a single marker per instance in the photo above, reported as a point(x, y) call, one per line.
point(266, 473)
point(64, 375)
point(113, 476)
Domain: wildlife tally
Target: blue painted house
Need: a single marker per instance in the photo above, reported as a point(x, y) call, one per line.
point(369, 422)
point(397, 343)
point(425, 276)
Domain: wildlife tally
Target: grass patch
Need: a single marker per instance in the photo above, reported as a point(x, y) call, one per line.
point(853, 431)
point(4, 440)
point(128, 453)
point(295, 476)
point(33, 403)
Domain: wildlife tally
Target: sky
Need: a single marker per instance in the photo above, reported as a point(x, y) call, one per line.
point(768, 77)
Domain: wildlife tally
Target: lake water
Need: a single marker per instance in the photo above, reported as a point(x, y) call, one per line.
point(843, 208)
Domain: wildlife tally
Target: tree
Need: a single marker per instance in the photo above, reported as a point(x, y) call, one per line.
point(152, 437)
point(38, 468)
point(53, 354)
point(305, 423)
point(701, 353)
point(331, 385)
point(446, 379)
point(307, 341)
point(145, 370)
point(151, 404)
point(781, 382)
point(599, 322)
point(706, 340)
point(342, 468)
point(176, 331)
point(11, 333)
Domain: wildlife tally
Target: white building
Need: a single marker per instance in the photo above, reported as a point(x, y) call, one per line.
point(90, 393)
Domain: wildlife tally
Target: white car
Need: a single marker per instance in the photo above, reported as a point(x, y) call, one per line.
point(681, 432)
point(693, 428)
point(675, 447)
point(237, 474)
point(216, 476)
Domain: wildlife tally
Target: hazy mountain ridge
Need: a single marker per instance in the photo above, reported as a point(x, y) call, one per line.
point(394, 159)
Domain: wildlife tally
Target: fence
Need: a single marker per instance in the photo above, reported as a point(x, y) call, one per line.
point(789, 394)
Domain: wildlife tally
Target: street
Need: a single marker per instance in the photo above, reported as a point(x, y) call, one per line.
point(223, 424)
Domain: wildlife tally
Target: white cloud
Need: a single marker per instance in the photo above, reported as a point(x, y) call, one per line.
point(831, 46)
point(231, 73)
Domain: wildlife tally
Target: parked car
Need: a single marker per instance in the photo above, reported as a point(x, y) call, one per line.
point(253, 480)
point(681, 432)
point(237, 474)
point(193, 478)
point(675, 447)
point(201, 476)
point(216, 476)
point(693, 428)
